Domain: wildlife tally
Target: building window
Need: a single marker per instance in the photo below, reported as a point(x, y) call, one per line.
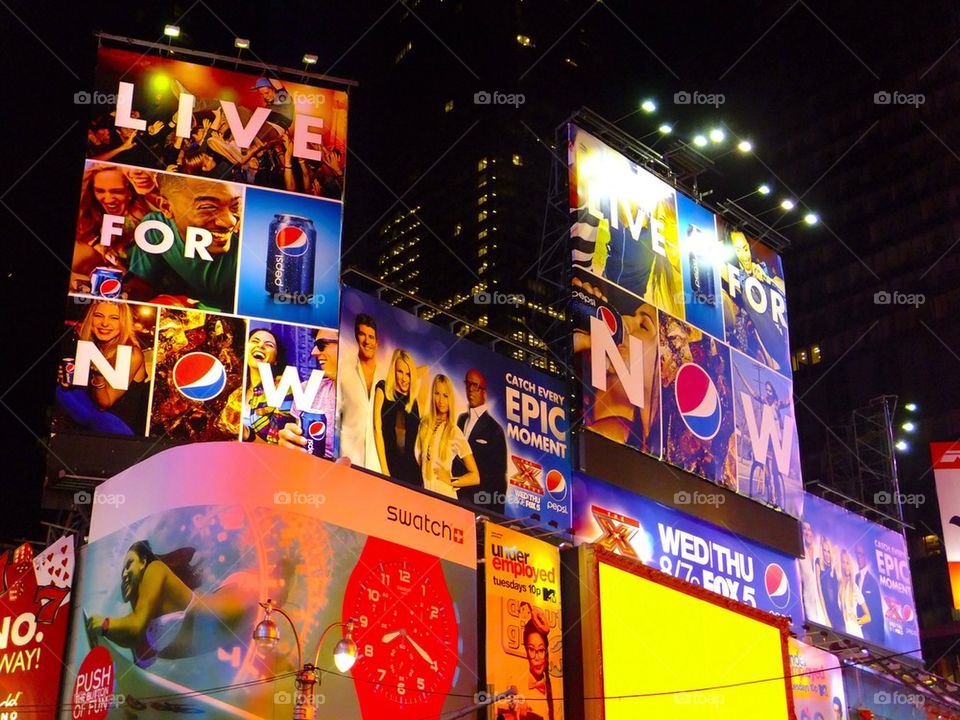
point(482, 165)
point(403, 52)
point(483, 248)
point(481, 181)
point(456, 229)
point(448, 106)
point(482, 234)
point(517, 159)
point(481, 200)
point(526, 41)
point(814, 354)
point(481, 216)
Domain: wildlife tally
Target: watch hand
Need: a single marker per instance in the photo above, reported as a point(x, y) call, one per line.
point(420, 650)
point(390, 637)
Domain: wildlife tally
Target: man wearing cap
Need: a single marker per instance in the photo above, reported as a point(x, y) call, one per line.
point(325, 354)
point(488, 443)
point(278, 102)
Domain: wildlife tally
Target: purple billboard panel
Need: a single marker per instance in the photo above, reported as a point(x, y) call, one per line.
point(856, 577)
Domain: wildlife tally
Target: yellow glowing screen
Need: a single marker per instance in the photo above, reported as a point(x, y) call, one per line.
point(657, 639)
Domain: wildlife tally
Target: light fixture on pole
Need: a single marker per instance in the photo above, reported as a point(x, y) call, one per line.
point(267, 635)
point(763, 189)
point(309, 60)
point(171, 31)
point(648, 106)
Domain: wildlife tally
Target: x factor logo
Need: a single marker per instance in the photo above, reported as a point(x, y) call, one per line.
point(527, 475)
point(618, 531)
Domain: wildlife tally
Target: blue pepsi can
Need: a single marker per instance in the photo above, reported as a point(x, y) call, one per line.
point(610, 317)
point(106, 282)
point(314, 428)
point(291, 251)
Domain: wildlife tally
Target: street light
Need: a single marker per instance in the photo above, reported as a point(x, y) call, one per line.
point(648, 106)
point(910, 407)
point(267, 635)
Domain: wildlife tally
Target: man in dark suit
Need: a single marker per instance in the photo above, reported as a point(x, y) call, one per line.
point(873, 630)
point(489, 446)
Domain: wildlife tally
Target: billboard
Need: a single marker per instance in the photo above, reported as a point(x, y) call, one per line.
point(524, 646)
point(680, 330)
point(946, 472)
point(685, 547)
point(856, 577)
point(817, 683)
point(175, 569)
point(433, 410)
point(210, 208)
point(698, 657)
point(34, 612)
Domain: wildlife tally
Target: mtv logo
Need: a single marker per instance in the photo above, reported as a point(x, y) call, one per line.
point(549, 595)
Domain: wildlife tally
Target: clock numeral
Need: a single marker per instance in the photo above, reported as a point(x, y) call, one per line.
point(385, 579)
point(423, 590)
point(434, 612)
point(383, 674)
point(405, 576)
point(421, 685)
point(373, 595)
point(368, 650)
point(401, 690)
point(364, 621)
point(434, 666)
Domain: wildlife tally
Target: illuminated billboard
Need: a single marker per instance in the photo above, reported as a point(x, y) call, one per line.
point(669, 651)
point(204, 288)
point(34, 613)
point(817, 683)
point(175, 569)
point(524, 647)
point(946, 471)
point(433, 410)
point(680, 330)
point(686, 547)
point(856, 577)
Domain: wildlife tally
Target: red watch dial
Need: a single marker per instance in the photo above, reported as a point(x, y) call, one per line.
point(407, 636)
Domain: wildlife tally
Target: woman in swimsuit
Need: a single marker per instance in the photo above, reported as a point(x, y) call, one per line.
point(169, 619)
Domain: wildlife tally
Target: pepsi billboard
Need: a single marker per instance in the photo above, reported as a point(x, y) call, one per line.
point(681, 335)
point(209, 221)
point(432, 410)
point(683, 546)
point(856, 577)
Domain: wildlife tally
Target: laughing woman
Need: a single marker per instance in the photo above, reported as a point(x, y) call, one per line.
point(262, 421)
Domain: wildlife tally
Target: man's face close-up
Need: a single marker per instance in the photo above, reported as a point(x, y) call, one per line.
point(212, 206)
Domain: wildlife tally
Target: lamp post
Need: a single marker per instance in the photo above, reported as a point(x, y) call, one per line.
point(267, 635)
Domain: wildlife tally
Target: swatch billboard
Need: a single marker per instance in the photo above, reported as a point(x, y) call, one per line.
point(856, 577)
point(688, 548)
point(681, 336)
point(432, 410)
point(175, 569)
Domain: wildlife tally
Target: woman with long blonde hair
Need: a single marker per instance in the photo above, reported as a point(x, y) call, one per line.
point(851, 598)
point(396, 419)
point(440, 441)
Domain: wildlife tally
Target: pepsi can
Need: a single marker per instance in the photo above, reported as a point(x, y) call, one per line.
point(106, 282)
point(68, 364)
point(314, 429)
point(612, 318)
point(291, 250)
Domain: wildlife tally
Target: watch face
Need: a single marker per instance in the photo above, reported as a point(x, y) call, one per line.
point(406, 633)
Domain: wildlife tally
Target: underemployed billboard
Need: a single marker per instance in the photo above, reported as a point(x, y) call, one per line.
point(856, 577)
point(681, 335)
point(205, 272)
point(433, 410)
point(686, 547)
point(946, 472)
point(524, 643)
point(175, 569)
point(817, 683)
point(34, 613)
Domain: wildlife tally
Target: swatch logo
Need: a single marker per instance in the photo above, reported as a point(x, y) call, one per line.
point(199, 376)
point(698, 401)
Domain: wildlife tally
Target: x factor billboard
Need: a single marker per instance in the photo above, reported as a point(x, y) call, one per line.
point(946, 472)
point(34, 615)
point(681, 335)
point(524, 631)
point(636, 527)
point(432, 410)
point(856, 577)
point(175, 569)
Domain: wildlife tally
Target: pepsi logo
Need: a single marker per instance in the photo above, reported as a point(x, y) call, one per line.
point(907, 613)
point(317, 430)
point(609, 319)
point(556, 485)
point(698, 401)
point(69, 367)
point(777, 585)
point(199, 376)
point(292, 241)
point(109, 288)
